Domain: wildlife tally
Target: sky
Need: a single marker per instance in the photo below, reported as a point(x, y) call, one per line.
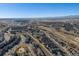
point(26, 10)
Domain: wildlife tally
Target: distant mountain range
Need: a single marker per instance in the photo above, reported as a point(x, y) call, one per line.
point(71, 17)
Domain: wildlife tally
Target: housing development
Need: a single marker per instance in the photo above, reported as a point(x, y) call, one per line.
point(32, 37)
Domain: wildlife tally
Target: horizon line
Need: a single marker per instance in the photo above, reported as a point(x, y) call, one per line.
point(40, 16)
